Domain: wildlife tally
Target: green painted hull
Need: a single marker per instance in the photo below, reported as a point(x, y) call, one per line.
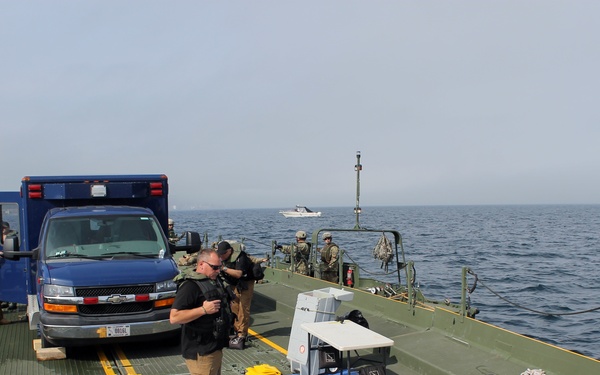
point(433, 340)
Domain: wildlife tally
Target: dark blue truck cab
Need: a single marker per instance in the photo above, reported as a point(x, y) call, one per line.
point(89, 257)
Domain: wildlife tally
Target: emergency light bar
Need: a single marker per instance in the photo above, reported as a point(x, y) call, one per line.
point(98, 191)
point(34, 191)
point(95, 189)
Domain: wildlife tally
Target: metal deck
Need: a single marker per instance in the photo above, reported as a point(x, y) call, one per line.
point(148, 358)
point(417, 350)
point(272, 314)
point(432, 341)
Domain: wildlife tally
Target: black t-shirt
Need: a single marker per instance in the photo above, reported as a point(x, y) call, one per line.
point(197, 336)
point(243, 263)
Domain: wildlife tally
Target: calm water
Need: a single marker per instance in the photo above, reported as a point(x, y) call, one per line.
point(543, 258)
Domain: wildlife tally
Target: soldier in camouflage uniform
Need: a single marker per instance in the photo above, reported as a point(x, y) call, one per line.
point(329, 259)
point(300, 252)
point(173, 237)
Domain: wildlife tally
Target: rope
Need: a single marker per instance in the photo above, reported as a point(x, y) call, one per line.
point(537, 311)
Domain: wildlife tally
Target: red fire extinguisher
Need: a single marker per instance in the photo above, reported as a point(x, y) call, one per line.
point(349, 277)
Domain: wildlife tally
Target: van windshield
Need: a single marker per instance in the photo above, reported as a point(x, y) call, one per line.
point(108, 236)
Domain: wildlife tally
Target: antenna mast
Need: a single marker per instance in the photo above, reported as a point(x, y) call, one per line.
point(357, 168)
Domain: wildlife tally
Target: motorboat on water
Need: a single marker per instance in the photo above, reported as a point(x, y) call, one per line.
point(300, 211)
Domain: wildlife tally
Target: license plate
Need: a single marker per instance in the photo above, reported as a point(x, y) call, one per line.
point(117, 331)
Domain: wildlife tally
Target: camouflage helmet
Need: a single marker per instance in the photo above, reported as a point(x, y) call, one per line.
point(301, 234)
point(171, 222)
point(326, 235)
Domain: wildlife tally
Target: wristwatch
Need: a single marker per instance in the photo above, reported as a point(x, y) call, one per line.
point(225, 268)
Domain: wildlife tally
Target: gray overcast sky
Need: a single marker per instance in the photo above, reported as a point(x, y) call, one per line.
point(263, 104)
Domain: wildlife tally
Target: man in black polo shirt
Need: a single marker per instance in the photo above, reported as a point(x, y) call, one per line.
point(202, 306)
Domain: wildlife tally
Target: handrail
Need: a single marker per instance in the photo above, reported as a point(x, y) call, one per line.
point(463, 293)
point(398, 249)
point(409, 285)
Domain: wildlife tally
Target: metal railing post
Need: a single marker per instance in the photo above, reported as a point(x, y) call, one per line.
point(463, 293)
point(409, 285)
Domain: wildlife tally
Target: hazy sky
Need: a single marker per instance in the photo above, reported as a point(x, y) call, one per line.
point(263, 104)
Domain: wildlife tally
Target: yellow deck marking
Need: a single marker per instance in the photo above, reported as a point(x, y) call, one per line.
point(267, 341)
point(104, 362)
point(124, 361)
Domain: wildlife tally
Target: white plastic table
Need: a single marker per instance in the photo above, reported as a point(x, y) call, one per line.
point(346, 336)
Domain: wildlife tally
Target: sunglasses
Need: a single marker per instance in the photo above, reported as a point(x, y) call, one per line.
point(215, 268)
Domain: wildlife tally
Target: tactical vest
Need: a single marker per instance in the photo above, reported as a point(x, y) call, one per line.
point(238, 260)
point(219, 326)
point(326, 252)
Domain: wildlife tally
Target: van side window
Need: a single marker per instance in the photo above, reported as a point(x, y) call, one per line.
point(9, 220)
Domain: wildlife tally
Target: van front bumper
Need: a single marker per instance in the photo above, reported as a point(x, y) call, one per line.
point(101, 331)
point(65, 331)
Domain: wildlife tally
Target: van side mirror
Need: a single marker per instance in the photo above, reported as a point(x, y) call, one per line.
point(11, 248)
point(193, 239)
point(11, 243)
point(193, 243)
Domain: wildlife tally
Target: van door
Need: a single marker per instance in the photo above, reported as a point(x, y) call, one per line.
point(13, 274)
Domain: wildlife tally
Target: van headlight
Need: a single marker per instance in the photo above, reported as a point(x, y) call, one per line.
point(52, 290)
point(166, 286)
